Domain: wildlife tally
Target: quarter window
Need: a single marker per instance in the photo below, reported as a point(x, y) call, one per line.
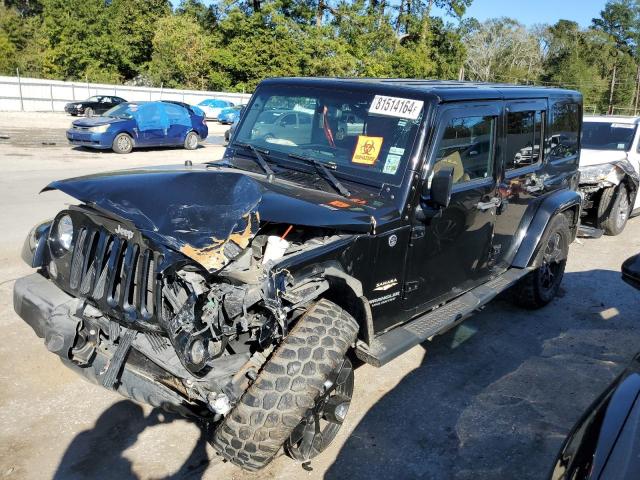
point(562, 141)
point(467, 146)
point(524, 134)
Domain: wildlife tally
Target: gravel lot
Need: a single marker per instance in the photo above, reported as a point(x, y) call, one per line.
point(491, 399)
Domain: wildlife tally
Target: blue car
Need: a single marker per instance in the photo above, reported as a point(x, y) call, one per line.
point(228, 115)
point(141, 124)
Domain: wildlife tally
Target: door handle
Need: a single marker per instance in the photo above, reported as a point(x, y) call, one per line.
point(492, 203)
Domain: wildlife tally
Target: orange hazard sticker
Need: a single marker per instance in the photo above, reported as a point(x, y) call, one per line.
point(367, 150)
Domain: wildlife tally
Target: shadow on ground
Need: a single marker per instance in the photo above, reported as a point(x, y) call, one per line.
point(493, 398)
point(99, 452)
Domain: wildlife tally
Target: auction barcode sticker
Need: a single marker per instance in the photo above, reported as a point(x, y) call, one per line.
point(396, 107)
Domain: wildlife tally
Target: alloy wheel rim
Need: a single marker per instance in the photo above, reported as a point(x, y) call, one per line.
point(193, 141)
point(320, 426)
point(551, 261)
point(623, 211)
point(123, 143)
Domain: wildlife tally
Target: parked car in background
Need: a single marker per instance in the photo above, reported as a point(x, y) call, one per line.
point(604, 444)
point(290, 127)
point(228, 115)
point(229, 132)
point(93, 105)
point(213, 106)
point(609, 167)
point(141, 124)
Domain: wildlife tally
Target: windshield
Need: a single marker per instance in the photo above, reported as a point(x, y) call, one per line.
point(607, 135)
point(358, 134)
point(123, 110)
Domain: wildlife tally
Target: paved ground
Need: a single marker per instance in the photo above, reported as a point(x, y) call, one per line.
point(492, 399)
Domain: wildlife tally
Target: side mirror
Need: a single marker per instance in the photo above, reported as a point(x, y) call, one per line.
point(441, 185)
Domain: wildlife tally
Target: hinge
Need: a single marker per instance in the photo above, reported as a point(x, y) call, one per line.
point(417, 232)
point(410, 287)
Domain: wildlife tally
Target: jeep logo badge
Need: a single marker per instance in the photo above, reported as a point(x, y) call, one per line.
point(128, 234)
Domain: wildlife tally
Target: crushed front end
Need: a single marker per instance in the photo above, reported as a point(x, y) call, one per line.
point(150, 321)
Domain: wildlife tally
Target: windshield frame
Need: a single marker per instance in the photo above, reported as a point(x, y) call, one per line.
point(633, 128)
point(342, 171)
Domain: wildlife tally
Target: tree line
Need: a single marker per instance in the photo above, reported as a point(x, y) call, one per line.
point(233, 44)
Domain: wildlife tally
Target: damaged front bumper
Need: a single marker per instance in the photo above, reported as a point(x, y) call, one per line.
point(61, 321)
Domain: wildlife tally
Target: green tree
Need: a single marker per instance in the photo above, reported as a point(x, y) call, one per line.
point(181, 54)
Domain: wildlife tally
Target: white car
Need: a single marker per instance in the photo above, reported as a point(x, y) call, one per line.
point(609, 171)
point(213, 106)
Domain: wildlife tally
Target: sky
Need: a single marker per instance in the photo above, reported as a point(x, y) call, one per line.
point(528, 12)
point(531, 12)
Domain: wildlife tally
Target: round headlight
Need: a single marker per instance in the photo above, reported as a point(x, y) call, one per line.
point(64, 232)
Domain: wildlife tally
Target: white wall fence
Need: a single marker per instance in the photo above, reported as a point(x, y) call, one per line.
point(38, 95)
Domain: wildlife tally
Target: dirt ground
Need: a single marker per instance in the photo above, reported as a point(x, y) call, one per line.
point(491, 399)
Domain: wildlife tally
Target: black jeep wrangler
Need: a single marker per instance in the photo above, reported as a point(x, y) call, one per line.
point(347, 216)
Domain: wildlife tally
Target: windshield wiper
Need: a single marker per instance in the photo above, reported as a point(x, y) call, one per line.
point(259, 160)
point(322, 167)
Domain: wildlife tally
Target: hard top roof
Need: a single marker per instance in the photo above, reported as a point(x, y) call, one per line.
point(612, 119)
point(444, 90)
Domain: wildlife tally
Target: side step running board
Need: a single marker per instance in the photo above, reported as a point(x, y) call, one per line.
point(397, 341)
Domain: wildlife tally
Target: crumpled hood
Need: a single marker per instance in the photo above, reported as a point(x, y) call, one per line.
point(597, 157)
point(210, 214)
point(96, 121)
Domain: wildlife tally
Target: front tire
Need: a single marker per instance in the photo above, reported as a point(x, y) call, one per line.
point(613, 210)
point(88, 112)
point(287, 388)
point(540, 286)
point(122, 144)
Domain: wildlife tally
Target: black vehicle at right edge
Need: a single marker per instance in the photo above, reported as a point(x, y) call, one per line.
point(236, 291)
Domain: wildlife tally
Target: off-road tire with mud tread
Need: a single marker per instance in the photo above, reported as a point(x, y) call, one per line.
point(527, 293)
point(608, 210)
point(286, 387)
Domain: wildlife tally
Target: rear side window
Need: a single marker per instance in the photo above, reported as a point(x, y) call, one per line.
point(467, 146)
point(524, 137)
point(562, 141)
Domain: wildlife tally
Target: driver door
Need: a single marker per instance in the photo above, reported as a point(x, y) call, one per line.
point(451, 248)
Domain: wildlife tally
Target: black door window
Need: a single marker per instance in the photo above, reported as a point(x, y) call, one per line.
point(524, 137)
point(467, 146)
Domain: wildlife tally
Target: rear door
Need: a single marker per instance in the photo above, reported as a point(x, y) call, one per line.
point(522, 154)
point(179, 124)
point(451, 251)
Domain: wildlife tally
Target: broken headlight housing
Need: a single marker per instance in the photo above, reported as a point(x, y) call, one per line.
point(606, 172)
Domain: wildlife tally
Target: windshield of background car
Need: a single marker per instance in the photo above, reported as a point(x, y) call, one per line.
point(360, 134)
point(607, 135)
point(123, 110)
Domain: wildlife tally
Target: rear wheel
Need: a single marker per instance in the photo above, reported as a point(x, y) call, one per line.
point(613, 210)
point(306, 378)
point(540, 286)
point(191, 141)
point(123, 143)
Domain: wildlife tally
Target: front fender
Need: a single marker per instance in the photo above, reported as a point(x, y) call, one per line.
point(552, 205)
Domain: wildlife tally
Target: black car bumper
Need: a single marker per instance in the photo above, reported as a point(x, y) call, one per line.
point(56, 317)
point(73, 110)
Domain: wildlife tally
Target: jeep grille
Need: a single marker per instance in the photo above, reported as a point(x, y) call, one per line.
point(115, 272)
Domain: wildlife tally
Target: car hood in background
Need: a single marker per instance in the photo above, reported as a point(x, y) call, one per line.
point(96, 121)
point(590, 157)
point(199, 211)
